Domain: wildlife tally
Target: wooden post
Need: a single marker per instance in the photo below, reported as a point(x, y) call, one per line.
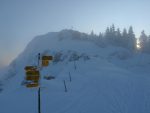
point(39, 101)
point(65, 86)
point(70, 77)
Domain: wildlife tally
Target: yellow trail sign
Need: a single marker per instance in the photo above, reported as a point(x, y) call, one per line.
point(47, 57)
point(33, 75)
point(35, 78)
point(30, 68)
point(45, 62)
point(28, 73)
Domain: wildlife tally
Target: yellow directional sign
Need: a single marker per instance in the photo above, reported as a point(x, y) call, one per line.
point(45, 62)
point(32, 73)
point(47, 57)
point(30, 68)
point(35, 78)
point(32, 76)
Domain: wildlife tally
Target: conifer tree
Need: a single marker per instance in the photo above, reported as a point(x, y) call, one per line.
point(107, 35)
point(132, 39)
point(118, 38)
point(125, 38)
point(143, 41)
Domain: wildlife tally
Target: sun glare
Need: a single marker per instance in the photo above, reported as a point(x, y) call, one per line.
point(138, 44)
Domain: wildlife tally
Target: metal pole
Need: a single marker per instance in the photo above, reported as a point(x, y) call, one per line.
point(69, 76)
point(65, 86)
point(39, 60)
point(39, 101)
point(75, 65)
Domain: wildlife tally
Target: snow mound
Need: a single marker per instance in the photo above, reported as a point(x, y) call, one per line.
point(103, 78)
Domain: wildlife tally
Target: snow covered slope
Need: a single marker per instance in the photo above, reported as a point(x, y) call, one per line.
point(104, 80)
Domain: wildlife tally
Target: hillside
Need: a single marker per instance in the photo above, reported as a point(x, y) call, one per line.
point(105, 79)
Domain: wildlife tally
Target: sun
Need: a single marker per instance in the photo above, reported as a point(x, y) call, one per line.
point(138, 44)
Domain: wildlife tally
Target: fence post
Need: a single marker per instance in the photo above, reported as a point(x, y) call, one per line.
point(75, 67)
point(70, 77)
point(65, 86)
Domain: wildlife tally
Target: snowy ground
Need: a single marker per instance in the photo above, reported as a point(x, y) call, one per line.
point(96, 86)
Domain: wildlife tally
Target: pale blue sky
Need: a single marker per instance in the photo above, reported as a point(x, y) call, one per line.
point(21, 20)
